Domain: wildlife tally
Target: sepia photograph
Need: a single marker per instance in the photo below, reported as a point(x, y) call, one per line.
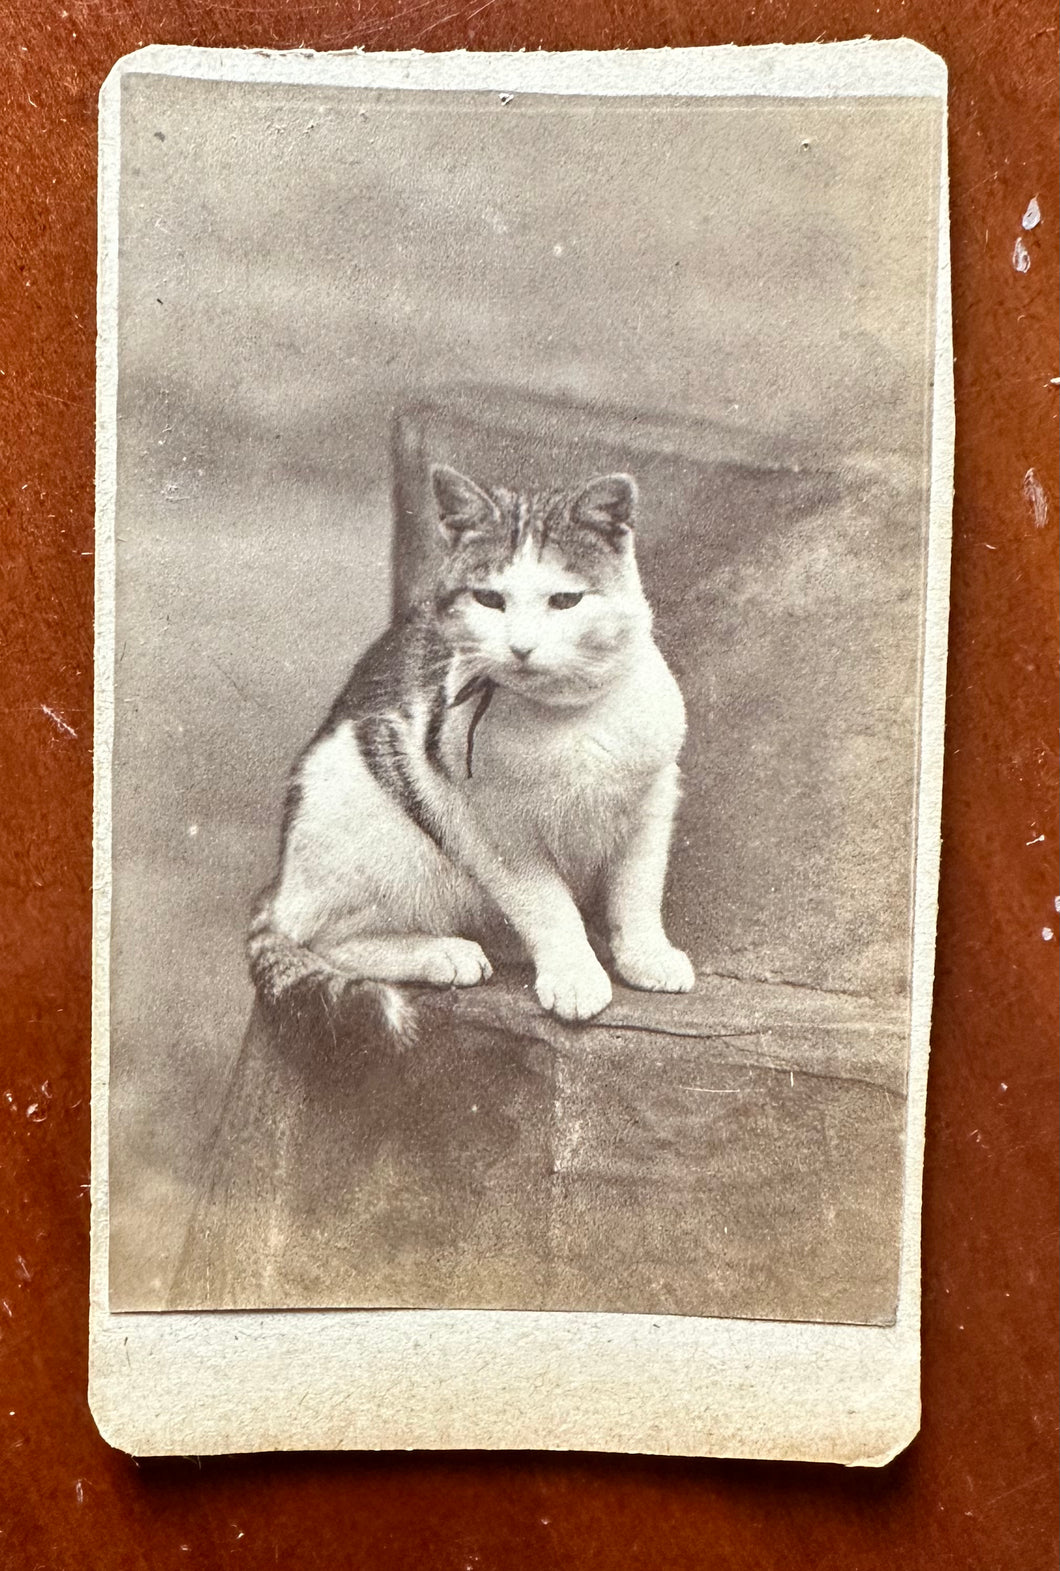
point(521, 509)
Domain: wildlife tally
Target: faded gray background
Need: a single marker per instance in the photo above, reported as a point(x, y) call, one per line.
point(749, 286)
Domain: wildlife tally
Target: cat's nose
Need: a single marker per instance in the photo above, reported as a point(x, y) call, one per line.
point(521, 651)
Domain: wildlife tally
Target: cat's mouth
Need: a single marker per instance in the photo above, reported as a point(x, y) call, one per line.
point(523, 675)
point(545, 685)
point(529, 673)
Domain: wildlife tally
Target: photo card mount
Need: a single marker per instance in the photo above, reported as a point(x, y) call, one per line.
point(619, 1322)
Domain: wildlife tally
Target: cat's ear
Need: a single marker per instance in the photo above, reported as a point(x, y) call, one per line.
point(463, 508)
point(607, 505)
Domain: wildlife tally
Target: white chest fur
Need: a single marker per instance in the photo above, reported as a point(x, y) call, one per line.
point(568, 779)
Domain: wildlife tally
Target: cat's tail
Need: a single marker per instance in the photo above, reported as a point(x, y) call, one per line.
point(292, 978)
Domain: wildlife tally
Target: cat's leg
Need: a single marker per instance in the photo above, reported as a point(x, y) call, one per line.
point(406, 957)
point(569, 980)
point(526, 887)
point(644, 956)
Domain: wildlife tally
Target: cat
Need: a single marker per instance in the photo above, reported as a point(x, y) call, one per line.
point(499, 763)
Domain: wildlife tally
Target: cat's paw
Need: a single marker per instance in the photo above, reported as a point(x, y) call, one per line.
point(455, 962)
point(574, 989)
point(655, 967)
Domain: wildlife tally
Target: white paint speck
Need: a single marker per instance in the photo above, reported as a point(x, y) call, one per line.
point(1034, 492)
point(1047, 933)
point(1004, 1085)
point(193, 830)
point(79, 1491)
point(1036, 841)
point(59, 721)
point(1033, 216)
point(1056, 903)
point(474, 1107)
point(1021, 257)
point(557, 249)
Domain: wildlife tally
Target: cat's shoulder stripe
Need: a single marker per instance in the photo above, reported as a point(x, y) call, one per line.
point(383, 741)
point(432, 742)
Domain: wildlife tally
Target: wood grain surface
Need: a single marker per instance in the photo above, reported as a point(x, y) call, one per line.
point(977, 1488)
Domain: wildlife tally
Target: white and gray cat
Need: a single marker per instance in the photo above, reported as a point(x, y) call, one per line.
point(499, 763)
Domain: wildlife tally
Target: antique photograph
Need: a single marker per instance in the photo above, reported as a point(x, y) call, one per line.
point(521, 508)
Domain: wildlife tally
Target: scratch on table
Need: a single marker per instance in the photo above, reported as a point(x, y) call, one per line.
point(59, 721)
point(1034, 492)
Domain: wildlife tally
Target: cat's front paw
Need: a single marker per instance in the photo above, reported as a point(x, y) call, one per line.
point(455, 962)
point(574, 988)
point(655, 966)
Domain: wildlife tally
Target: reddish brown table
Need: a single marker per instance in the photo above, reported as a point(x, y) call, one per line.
point(977, 1488)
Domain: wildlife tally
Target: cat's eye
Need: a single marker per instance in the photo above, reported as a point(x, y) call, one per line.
point(565, 600)
point(489, 598)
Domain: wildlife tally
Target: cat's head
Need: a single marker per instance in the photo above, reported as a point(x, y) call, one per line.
point(540, 591)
